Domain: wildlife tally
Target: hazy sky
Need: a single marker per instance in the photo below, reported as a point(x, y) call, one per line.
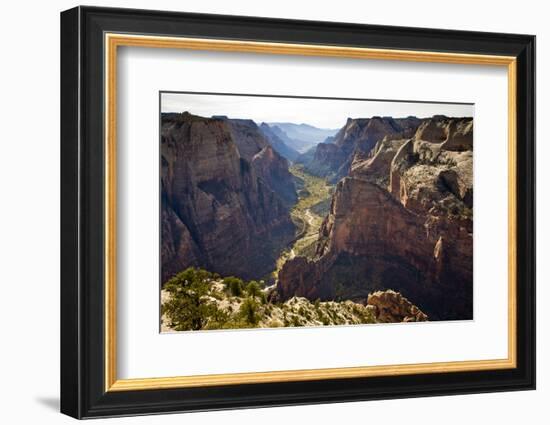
point(322, 113)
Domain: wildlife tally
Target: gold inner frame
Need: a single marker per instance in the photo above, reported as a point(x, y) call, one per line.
point(113, 41)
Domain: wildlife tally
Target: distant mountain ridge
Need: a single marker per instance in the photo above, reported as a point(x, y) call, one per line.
point(276, 141)
point(301, 137)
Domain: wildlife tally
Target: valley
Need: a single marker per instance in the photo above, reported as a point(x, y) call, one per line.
point(314, 195)
point(257, 234)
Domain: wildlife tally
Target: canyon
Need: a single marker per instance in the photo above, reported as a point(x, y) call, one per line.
point(400, 218)
point(376, 213)
point(225, 197)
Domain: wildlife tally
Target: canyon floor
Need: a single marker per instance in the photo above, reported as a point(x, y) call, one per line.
point(314, 194)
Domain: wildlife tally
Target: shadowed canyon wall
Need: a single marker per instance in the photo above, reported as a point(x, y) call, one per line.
point(225, 197)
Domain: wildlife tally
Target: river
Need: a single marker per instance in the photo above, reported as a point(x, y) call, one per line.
point(314, 195)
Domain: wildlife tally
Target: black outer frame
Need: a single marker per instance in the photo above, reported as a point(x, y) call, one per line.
point(82, 206)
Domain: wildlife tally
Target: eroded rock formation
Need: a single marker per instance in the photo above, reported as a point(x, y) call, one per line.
point(225, 197)
point(358, 136)
point(391, 307)
point(401, 219)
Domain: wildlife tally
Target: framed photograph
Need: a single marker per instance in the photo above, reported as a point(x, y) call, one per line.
point(261, 212)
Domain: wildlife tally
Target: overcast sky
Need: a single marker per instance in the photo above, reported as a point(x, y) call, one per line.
point(322, 113)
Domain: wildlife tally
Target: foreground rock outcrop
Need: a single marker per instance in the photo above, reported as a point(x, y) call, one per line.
point(401, 219)
point(231, 303)
point(225, 197)
point(392, 307)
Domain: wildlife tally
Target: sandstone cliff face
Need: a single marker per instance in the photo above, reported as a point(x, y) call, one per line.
point(327, 158)
point(456, 133)
point(375, 166)
point(358, 136)
point(224, 197)
point(273, 169)
point(402, 219)
point(246, 136)
point(268, 164)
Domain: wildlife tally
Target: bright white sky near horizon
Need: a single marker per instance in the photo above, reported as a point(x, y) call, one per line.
point(321, 113)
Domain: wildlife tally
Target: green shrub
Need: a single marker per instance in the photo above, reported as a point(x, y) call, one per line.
point(187, 308)
point(296, 321)
point(218, 319)
point(248, 311)
point(253, 289)
point(187, 277)
point(234, 286)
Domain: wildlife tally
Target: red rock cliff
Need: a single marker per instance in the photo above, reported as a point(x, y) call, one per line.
point(224, 197)
point(401, 220)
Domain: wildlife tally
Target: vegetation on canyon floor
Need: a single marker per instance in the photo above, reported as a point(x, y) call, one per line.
point(314, 195)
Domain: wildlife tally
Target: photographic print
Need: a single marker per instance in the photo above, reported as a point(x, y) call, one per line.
point(279, 211)
point(309, 185)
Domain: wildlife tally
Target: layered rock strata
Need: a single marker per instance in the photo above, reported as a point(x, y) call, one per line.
point(225, 197)
point(402, 219)
point(357, 136)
